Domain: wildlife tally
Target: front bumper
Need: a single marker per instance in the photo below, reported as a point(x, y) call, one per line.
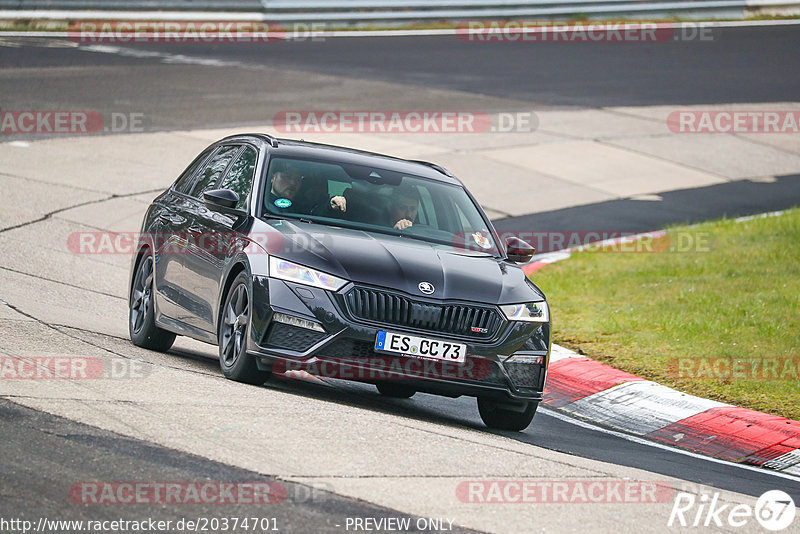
point(344, 347)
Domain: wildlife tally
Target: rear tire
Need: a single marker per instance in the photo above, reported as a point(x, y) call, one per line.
point(234, 321)
point(397, 391)
point(496, 415)
point(141, 310)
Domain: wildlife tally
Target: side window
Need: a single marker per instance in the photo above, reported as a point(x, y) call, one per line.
point(183, 183)
point(240, 176)
point(209, 175)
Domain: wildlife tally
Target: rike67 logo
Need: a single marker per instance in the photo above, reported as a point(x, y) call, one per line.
point(775, 511)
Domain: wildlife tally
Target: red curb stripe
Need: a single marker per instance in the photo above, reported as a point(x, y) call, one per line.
point(572, 379)
point(530, 268)
point(732, 433)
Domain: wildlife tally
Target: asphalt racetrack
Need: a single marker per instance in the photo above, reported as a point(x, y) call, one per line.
point(341, 450)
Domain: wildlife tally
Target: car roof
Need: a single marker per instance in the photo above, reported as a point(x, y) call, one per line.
point(306, 149)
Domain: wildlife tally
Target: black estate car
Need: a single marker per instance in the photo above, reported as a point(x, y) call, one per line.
point(294, 256)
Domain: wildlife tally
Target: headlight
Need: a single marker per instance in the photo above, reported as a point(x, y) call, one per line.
point(534, 312)
point(292, 272)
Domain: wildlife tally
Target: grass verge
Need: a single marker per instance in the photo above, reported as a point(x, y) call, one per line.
point(716, 315)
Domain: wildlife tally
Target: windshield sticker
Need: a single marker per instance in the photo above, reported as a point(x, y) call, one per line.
point(283, 202)
point(481, 240)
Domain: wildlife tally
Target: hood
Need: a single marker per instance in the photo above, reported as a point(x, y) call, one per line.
point(402, 263)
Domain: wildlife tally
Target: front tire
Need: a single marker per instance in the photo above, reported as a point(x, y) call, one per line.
point(234, 361)
point(504, 416)
point(141, 310)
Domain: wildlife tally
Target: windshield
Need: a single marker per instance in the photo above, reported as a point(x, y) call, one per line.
point(376, 200)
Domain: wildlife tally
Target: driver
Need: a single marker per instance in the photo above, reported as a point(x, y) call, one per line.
point(286, 183)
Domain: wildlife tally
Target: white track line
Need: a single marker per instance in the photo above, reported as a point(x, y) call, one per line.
point(639, 407)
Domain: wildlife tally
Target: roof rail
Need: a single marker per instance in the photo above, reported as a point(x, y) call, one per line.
point(433, 166)
point(272, 140)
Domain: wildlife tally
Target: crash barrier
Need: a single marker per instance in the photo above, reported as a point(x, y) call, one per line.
point(375, 11)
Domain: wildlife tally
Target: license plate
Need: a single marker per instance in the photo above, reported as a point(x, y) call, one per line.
point(422, 347)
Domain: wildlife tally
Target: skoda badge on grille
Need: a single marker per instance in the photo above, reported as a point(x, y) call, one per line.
point(426, 287)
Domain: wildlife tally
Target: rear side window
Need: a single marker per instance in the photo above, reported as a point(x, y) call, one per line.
point(183, 183)
point(208, 176)
point(240, 176)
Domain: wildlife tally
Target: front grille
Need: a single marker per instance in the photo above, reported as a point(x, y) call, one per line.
point(524, 375)
point(383, 307)
point(284, 336)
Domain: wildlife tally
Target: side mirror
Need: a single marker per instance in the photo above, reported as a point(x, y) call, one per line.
point(518, 250)
point(224, 201)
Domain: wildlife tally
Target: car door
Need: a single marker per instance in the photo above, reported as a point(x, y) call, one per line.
point(204, 261)
point(214, 255)
point(190, 304)
point(167, 230)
